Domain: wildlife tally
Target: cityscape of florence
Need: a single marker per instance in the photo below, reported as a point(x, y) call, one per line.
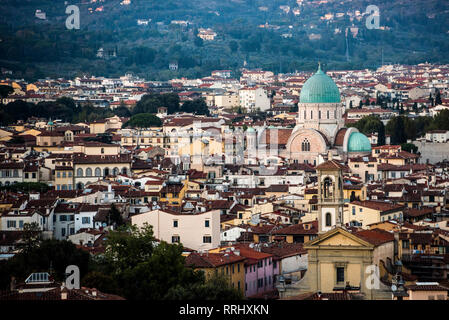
point(249, 153)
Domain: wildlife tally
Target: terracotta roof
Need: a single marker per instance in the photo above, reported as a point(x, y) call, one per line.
point(330, 165)
point(375, 236)
point(299, 229)
point(383, 207)
point(212, 260)
point(340, 136)
point(426, 287)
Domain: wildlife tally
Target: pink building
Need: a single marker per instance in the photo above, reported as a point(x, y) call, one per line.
point(260, 271)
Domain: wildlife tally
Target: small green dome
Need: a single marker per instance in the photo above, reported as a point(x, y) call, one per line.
point(320, 88)
point(358, 142)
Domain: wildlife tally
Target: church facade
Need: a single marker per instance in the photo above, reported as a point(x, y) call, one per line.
point(320, 125)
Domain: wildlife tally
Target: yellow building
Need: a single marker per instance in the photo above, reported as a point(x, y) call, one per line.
point(368, 212)
point(228, 264)
point(354, 192)
point(64, 178)
point(173, 193)
point(339, 259)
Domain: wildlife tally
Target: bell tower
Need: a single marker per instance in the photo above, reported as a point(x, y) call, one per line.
point(330, 195)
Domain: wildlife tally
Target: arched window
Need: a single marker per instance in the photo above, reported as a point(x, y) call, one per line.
point(106, 172)
point(327, 187)
point(305, 114)
point(80, 186)
point(102, 150)
point(328, 114)
point(79, 172)
point(328, 219)
point(305, 145)
point(97, 172)
point(124, 170)
point(319, 114)
point(335, 114)
point(88, 172)
point(311, 114)
point(115, 171)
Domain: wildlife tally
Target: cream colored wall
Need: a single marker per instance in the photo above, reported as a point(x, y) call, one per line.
point(424, 295)
point(366, 217)
point(191, 228)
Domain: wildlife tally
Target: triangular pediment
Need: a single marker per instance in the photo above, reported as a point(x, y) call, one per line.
point(337, 237)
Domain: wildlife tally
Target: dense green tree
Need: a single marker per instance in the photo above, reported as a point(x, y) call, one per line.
point(115, 216)
point(5, 91)
point(234, 46)
point(410, 147)
point(31, 237)
point(396, 129)
point(217, 287)
point(103, 282)
point(438, 98)
point(143, 120)
point(151, 102)
point(122, 111)
point(197, 106)
point(144, 269)
point(49, 255)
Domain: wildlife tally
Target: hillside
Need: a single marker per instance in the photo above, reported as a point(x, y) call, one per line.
point(412, 31)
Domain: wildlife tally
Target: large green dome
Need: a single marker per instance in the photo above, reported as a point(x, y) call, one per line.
point(358, 142)
point(320, 88)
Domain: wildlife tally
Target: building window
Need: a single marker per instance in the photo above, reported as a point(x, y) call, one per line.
point(340, 274)
point(79, 172)
point(305, 145)
point(11, 223)
point(328, 220)
point(353, 210)
point(175, 223)
point(175, 239)
point(206, 223)
point(85, 220)
point(207, 239)
point(63, 232)
point(62, 218)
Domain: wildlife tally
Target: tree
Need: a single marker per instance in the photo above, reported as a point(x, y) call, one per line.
point(143, 120)
point(396, 128)
point(5, 91)
point(151, 102)
point(234, 46)
point(128, 246)
point(217, 287)
point(115, 216)
point(49, 254)
point(31, 237)
point(409, 147)
point(103, 282)
point(122, 111)
point(197, 106)
point(198, 42)
point(438, 98)
point(145, 270)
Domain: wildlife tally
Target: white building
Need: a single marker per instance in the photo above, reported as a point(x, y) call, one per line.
point(253, 99)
